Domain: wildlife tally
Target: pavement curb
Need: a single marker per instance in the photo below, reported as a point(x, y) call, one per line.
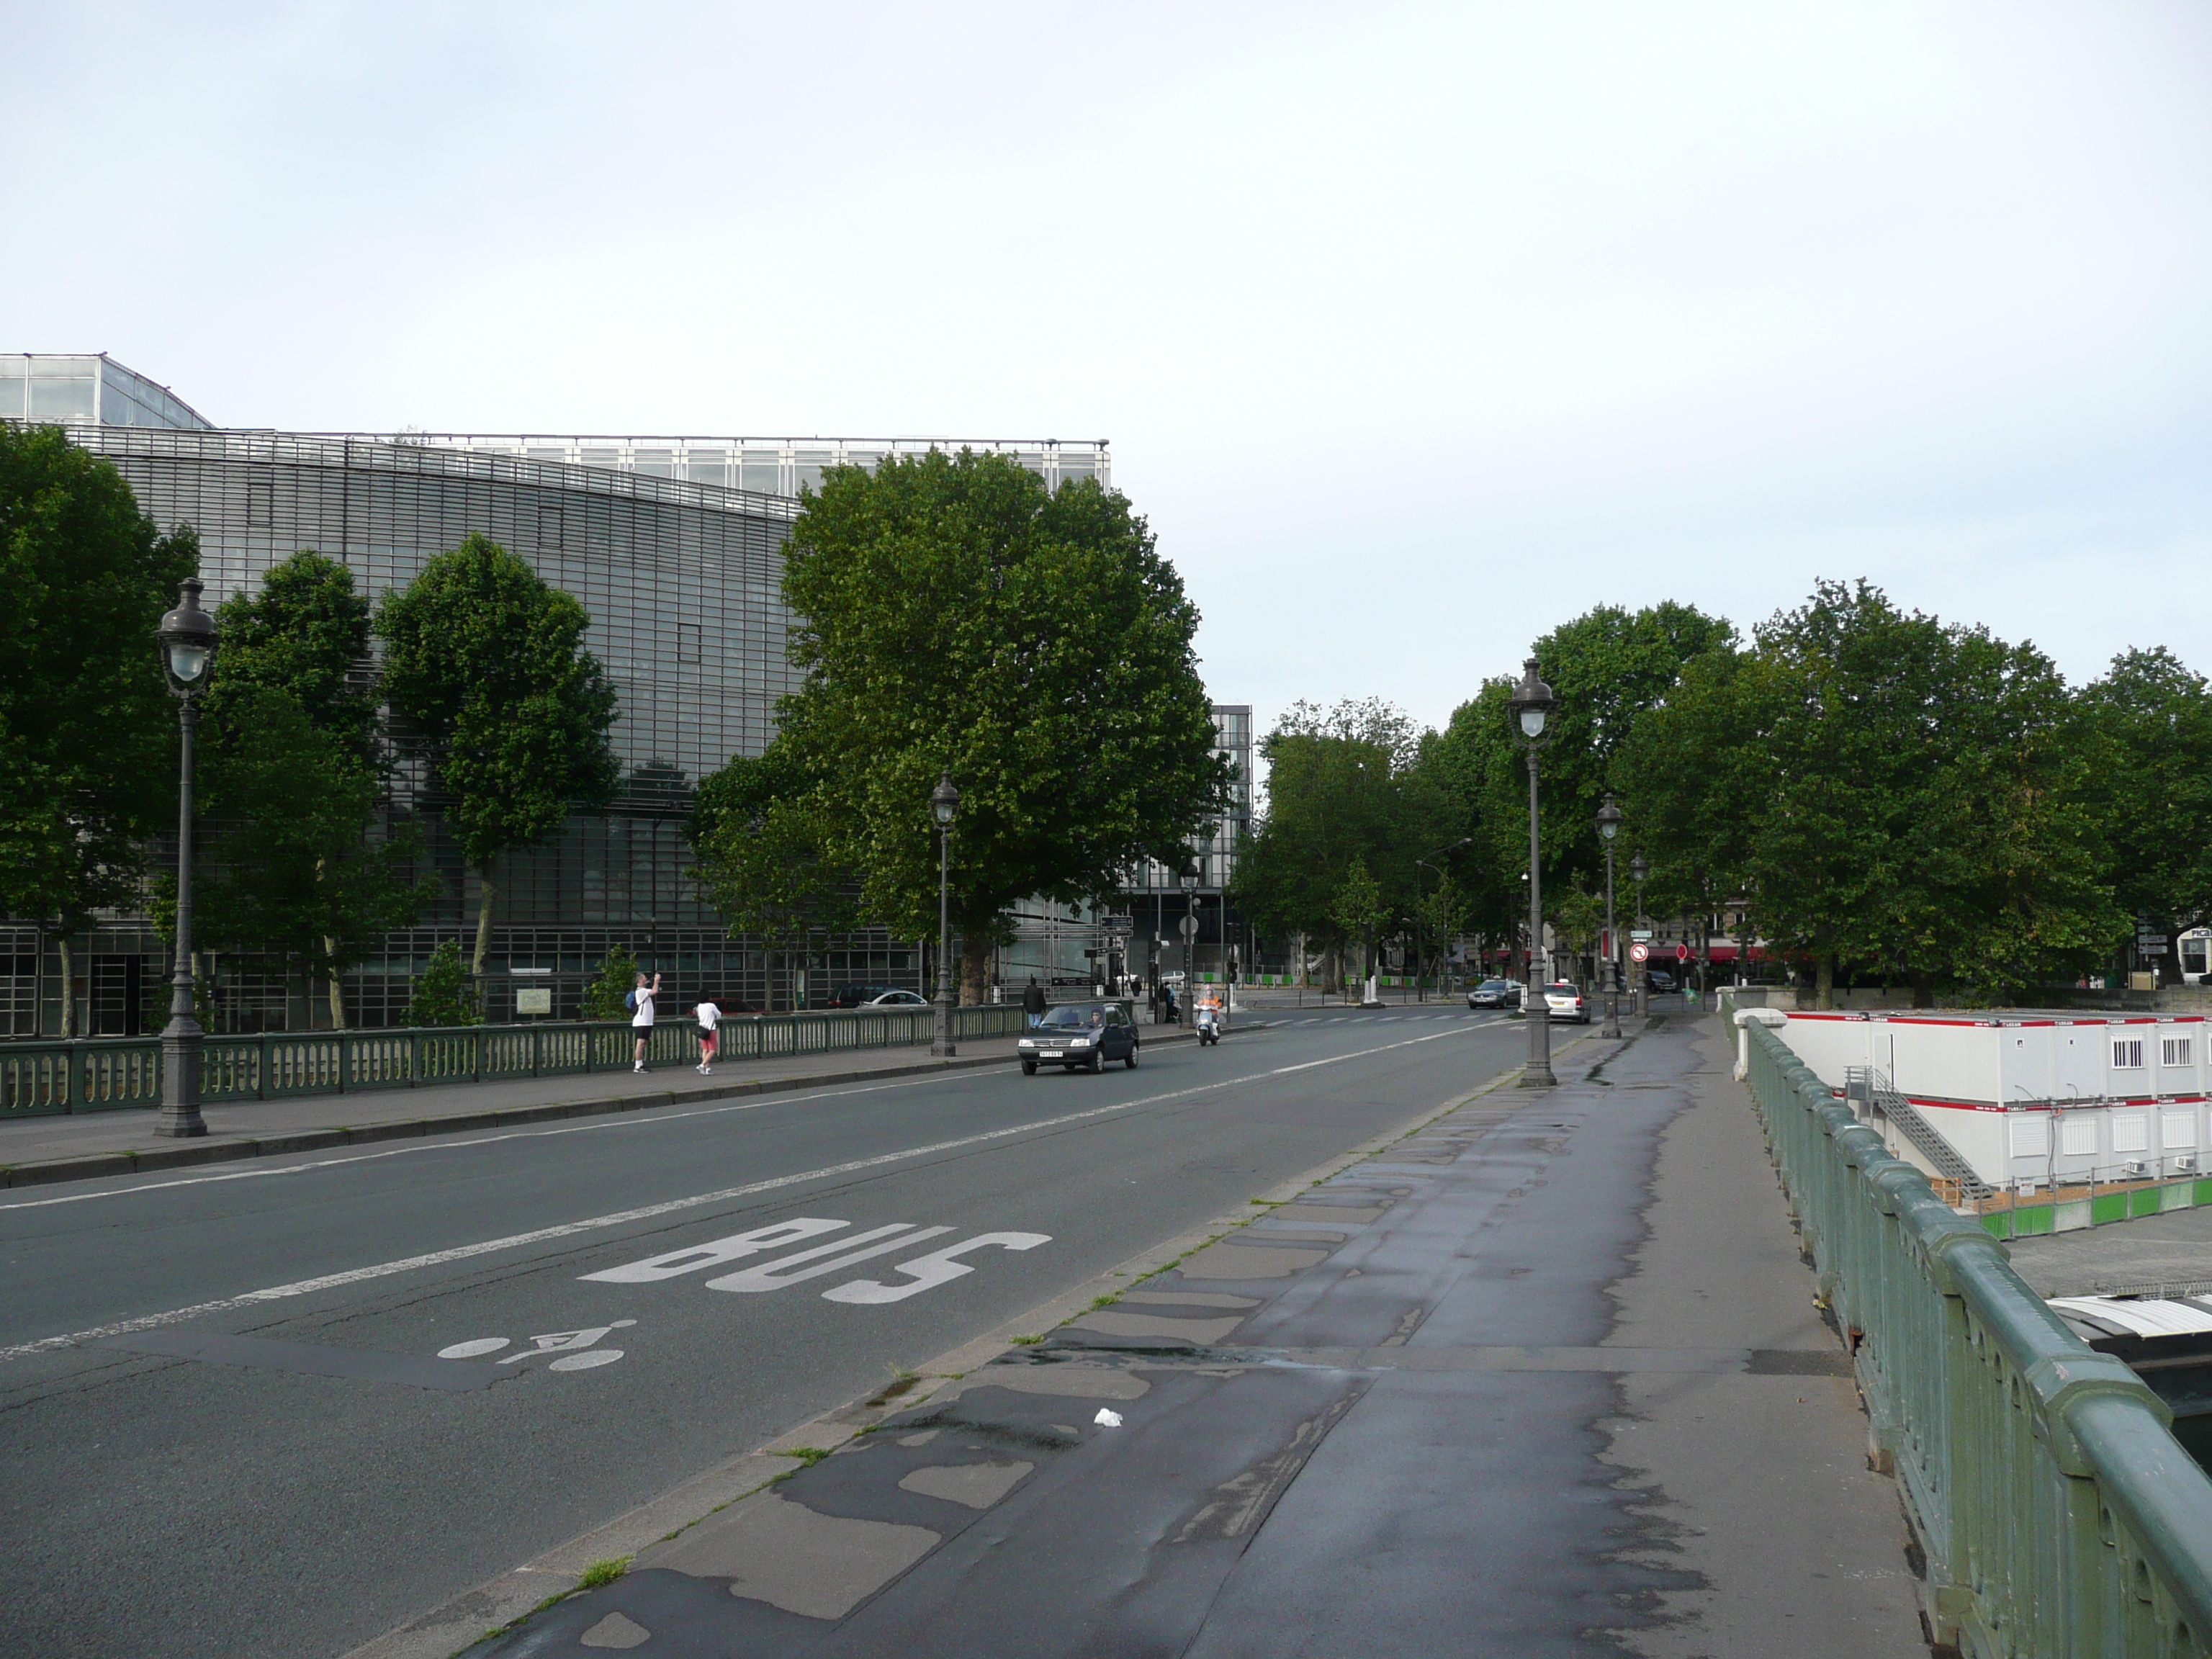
point(448, 1631)
point(94, 1166)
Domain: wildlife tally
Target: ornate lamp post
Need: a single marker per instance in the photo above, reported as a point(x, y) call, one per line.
point(944, 802)
point(1532, 705)
point(1608, 826)
point(1638, 869)
point(187, 644)
point(1189, 879)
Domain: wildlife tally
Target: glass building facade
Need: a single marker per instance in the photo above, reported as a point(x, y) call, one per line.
point(675, 546)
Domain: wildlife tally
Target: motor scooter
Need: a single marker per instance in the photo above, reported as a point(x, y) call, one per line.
point(1209, 1025)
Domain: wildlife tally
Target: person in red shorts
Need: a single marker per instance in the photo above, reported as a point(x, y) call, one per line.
point(710, 1020)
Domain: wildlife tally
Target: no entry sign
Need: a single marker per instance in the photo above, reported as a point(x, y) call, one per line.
point(1639, 951)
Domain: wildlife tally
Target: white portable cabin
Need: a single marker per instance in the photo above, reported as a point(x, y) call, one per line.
point(2040, 1098)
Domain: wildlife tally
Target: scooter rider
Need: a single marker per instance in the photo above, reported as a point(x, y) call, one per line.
point(1209, 1013)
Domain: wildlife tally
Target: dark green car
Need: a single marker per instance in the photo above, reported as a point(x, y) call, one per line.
point(1080, 1034)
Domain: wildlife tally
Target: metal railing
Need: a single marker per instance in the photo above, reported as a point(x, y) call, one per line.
point(2057, 1514)
point(92, 1075)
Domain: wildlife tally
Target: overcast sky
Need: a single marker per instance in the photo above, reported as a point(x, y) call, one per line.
point(1416, 329)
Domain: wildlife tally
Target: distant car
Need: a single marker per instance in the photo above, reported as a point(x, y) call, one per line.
point(1494, 993)
point(1566, 1001)
point(851, 996)
point(1080, 1034)
point(1659, 979)
point(896, 999)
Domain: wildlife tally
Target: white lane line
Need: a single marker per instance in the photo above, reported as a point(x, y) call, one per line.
point(648, 1212)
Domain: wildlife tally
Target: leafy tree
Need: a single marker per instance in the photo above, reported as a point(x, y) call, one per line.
point(605, 997)
point(2148, 727)
point(1342, 785)
point(1609, 669)
point(760, 859)
point(1357, 909)
point(486, 665)
point(291, 782)
point(1440, 914)
point(87, 733)
point(444, 993)
point(953, 615)
point(1908, 792)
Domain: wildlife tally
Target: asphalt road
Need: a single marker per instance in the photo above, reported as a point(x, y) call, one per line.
point(234, 1503)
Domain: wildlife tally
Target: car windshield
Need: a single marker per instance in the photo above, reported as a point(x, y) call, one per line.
point(1074, 1014)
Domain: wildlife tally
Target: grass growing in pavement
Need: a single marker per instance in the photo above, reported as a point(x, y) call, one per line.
point(1027, 1341)
point(812, 1455)
point(603, 1572)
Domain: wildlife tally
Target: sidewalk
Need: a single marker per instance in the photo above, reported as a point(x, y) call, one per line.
point(37, 1151)
point(1545, 1377)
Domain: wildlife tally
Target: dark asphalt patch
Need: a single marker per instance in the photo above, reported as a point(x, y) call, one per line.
point(311, 1359)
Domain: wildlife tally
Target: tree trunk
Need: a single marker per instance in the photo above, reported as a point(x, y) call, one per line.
point(68, 984)
point(974, 964)
point(1824, 995)
point(337, 991)
point(485, 895)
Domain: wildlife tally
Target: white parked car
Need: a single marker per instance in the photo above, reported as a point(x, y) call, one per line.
point(1566, 1001)
point(896, 999)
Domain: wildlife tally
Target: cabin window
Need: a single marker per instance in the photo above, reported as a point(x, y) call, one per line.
point(2176, 1051)
point(2127, 1054)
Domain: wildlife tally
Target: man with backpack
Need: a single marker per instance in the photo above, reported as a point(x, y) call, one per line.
point(1033, 1001)
point(640, 1019)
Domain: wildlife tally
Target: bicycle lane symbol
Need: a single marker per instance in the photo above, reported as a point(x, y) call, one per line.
point(577, 1350)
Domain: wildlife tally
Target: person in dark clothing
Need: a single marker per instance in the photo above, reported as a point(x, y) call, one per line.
point(1033, 1001)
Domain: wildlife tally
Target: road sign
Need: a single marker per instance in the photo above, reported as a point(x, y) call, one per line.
point(1639, 951)
point(1639, 933)
point(1681, 953)
point(1189, 926)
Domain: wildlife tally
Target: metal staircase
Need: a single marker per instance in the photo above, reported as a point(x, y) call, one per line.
point(1868, 1093)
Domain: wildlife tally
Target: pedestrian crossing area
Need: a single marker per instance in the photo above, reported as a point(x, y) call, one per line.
point(1415, 1016)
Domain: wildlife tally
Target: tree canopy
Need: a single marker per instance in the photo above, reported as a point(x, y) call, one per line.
point(952, 615)
point(1908, 797)
point(87, 733)
point(484, 668)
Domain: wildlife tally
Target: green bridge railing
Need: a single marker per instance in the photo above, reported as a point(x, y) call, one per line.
point(2058, 1515)
point(92, 1075)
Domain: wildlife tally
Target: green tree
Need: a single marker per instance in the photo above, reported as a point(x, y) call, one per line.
point(444, 993)
point(605, 997)
point(1440, 914)
point(484, 664)
point(1609, 669)
point(1357, 909)
point(760, 858)
point(292, 781)
point(87, 733)
point(1908, 792)
point(1342, 784)
point(2147, 725)
point(952, 614)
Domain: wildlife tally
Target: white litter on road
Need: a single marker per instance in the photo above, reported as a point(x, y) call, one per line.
point(1107, 1420)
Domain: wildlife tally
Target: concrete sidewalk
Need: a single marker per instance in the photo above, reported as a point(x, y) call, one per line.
point(1547, 1376)
point(37, 1151)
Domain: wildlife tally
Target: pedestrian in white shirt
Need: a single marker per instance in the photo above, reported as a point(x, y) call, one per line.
point(709, 1017)
point(642, 1021)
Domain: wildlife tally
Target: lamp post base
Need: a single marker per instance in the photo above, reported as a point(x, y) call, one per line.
point(941, 1036)
point(180, 1117)
point(1611, 1026)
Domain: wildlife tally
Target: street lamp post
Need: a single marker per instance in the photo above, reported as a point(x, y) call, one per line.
point(1638, 869)
point(1190, 878)
point(944, 802)
point(187, 638)
point(1608, 826)
point(1532, 704)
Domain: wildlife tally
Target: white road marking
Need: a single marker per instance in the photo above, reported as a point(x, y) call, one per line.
point(715, 1252)
point(585, 1361)
point(937, 1267)
point(775, 1275)
point(674, 1206)
point(474, 1348)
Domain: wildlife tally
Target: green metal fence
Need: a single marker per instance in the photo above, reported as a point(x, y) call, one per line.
point(2057, 1513)
point(102, 1074)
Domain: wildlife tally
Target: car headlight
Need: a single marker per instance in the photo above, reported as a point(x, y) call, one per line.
point(1080, 1042)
